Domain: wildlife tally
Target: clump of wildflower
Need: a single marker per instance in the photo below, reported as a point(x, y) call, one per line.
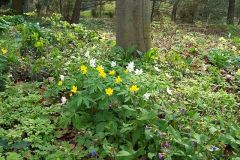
point(160, 156)
point(130, 67)
point(113, 64)
point(83, 69)
point(60, 83)
point(112, 72)
point(109, 91)
point(118, 80)
point(63, 100)
point(62, 77)
point(138, 71)
point(134, 88)
point(146, 96)
point(4, 50)
point(238, 72)
point(93, 63)
point(74, 89)
point(101, 72)
point(87, 54)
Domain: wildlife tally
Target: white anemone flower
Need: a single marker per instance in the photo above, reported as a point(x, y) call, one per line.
point(146, 96)
point(169, 91)
point(62, 77)
point(87, 54)
point(130, 67)
point(138, 71)
point(113, 64)
point(63, 100)
point(93, 63)
point(156, 68)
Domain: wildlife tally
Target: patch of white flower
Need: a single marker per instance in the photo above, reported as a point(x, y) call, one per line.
point(87, 54)
point(63, 100)
point(113, 64)
point(156, 68)
point(138, 71)
point(146, 96)
point(130, 67)
point(62, 77)
point(93, 63)
point(169, 91)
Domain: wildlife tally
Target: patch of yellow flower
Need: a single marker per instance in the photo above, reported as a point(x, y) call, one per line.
point(74, 89)
point(112, 72)
point(4, 50)
point(126, 71)
point(60, 83)
point(109, 91)
point(118, 80)
point(134, 88)
point(238, 72)
point(83, 69)
point(101, 72)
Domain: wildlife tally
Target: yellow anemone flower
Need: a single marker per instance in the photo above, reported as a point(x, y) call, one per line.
point(74, 89)
point(109, 91)
point(4, 50)
point(60, 83)
point(238, 72)
point(112, 72)
point(83, 69)
point(118, 80)
point(134, 88)
point(102, 74)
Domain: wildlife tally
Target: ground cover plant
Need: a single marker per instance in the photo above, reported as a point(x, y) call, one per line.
point(68, 92)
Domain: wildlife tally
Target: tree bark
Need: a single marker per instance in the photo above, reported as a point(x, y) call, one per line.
point(153, 6)
point(17, 6)
point(231, 9)
point(174, 10)
point(61, 7)
point(134, 24)
point(76, 12)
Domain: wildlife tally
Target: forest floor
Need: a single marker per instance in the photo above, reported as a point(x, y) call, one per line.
point(182, 102)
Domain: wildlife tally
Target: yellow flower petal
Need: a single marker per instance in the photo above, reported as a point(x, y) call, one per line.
point(112, 72)
point(4, 50)
point(83, 69)
point(134, 88)
point(118, 80)
point(60, 83)
point(74, 89)
point(109, 91)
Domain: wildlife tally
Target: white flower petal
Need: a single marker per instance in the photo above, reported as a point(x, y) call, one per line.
point(146, 96)
point(113, 64)
point(63, 100)
point(93, 63)
point(62, 77)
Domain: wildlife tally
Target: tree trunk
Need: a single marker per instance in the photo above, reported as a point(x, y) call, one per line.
point(231, 8)
point(17, 6)
point(100, 8)
point(76, 12)
point(153, 7)
point(134, 24)
point(61, 7)
point(174, 10)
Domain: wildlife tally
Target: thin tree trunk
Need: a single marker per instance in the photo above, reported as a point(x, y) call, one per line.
point(134, 24)
point(17, 6)
point(153, 6)
point(61, 7)
point(174, 10)
point(76, 12)
point(231, 8)
point(100, 8)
